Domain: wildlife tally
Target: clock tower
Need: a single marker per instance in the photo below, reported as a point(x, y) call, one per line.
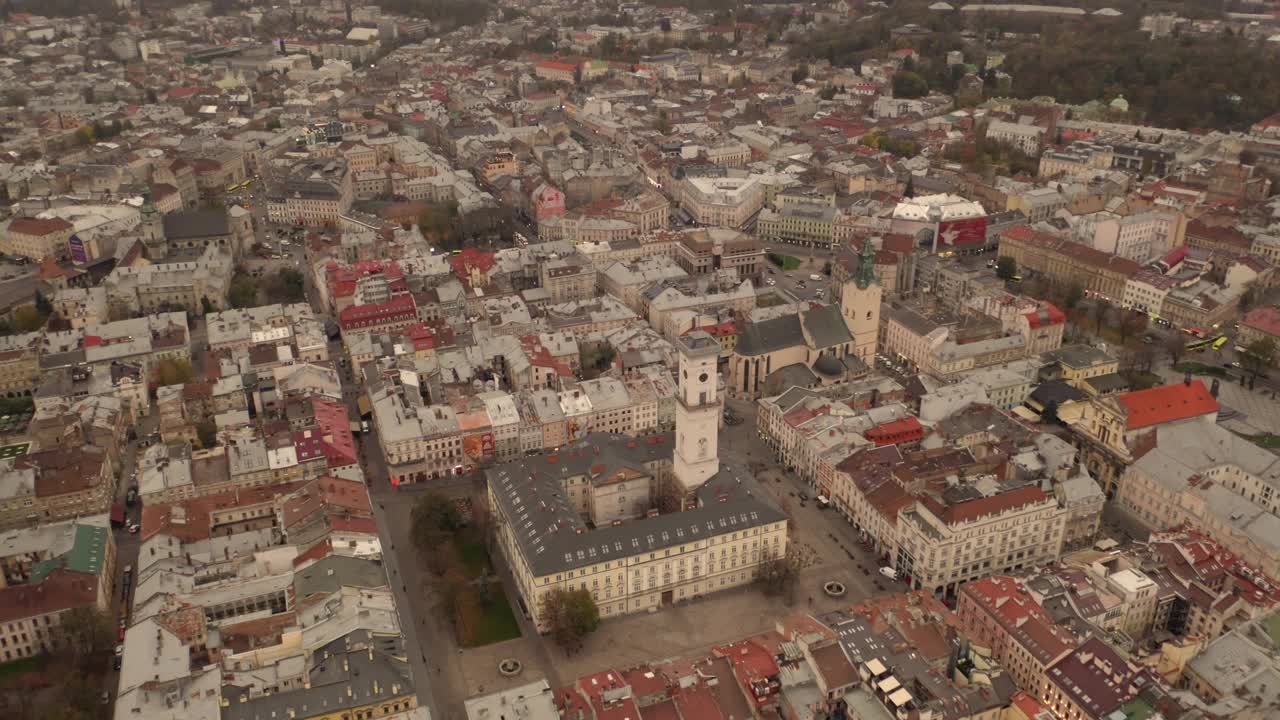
point(860, 304)
point(696, 457)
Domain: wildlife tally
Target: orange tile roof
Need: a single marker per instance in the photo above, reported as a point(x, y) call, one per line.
point(1167, 403)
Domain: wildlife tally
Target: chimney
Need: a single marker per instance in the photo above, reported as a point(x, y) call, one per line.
point(1186, 378)
point(1213, 389)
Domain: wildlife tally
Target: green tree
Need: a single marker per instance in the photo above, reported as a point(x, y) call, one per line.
point(572, 615)
point(84, 135)
point(1050, 414)
point(907, 84)
point(1258, 356)
point(826, 268)
point(243, 293)
point(1006, 267)
point(27, 319)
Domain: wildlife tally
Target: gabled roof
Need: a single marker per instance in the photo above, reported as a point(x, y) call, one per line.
point(1167, 403)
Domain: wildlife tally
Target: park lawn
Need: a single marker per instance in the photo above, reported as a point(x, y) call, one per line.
point(496, 621)
point(11, 671)
point(472, 554)
point(786, 262)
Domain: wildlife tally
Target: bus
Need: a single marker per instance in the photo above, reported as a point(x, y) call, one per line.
point(232, 187)
point(246, 183)
point(1198, 345)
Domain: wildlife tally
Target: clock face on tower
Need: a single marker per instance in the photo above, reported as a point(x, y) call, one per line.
point(702, 377)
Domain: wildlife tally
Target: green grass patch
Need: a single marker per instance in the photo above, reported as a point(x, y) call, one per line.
point(1271, 624)
point(786, 262)
point(11, 671)
point(472, 553)
point(1197, 368)
point(1265, 440)
point(494, 623)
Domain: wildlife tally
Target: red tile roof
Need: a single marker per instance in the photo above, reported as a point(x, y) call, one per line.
point(396, 310)
point(1264, 319)
point(1047, 314)
point(1167, 403)
point(38, 226)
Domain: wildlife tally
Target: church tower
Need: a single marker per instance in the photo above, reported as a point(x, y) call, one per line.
point(697, 411)
point(860, 304)
point(152, 229)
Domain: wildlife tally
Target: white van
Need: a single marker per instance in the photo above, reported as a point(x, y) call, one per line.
point(815, 277)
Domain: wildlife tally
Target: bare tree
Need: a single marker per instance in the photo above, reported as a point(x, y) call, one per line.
point(1176, 349)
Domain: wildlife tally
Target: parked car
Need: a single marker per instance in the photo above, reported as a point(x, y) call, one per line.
point(889, 572)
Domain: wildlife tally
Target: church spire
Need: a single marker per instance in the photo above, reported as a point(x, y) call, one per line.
point(866, 273)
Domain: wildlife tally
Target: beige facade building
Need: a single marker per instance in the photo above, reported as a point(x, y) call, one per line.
point(37, 238)
point(640, 523)
point(724, 202)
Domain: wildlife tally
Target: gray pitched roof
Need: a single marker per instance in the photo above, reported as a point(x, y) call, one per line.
point(356, 670)
point(331, 573)
point(553, 537)
point(186, 224)
point(759, 338)
point(826, 327)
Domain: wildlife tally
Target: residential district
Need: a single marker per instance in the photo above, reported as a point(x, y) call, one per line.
point(598, 361)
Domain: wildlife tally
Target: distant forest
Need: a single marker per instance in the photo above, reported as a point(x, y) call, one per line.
point(1223, 82)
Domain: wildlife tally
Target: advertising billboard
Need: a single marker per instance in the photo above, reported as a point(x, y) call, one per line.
point(961, 233)
point(79, 254)
point(478, 447)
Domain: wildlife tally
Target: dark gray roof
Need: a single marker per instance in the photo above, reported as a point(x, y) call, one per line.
point(553, 537)
point(190, 224)
point(356, 670)
point(826, 327)
point(794, 376)
point(821, 328)
point(333, 572)
point(759, 338)
point(829, 366)
point(1057, 391)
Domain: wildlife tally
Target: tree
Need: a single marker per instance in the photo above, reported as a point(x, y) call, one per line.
point(434, 511)
point(206, 305)
point(1100, 312)
point(1072, 299)
point(243, 293)
point(1050, 413)
point(172, 371)
point(27, 319)
point(207, 434)
point(778, 577)
point(285, 286)
point(1174, 346)
point(1006, 267)
point(910, 190)
point(1131, 323)
point(826, 268)
point(800, 74)
point(1247, 299)
point(82, 632)
point(572, 615)
point(1258, 356)
point(43, 306)
point(663, 123)
point(907, 84)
